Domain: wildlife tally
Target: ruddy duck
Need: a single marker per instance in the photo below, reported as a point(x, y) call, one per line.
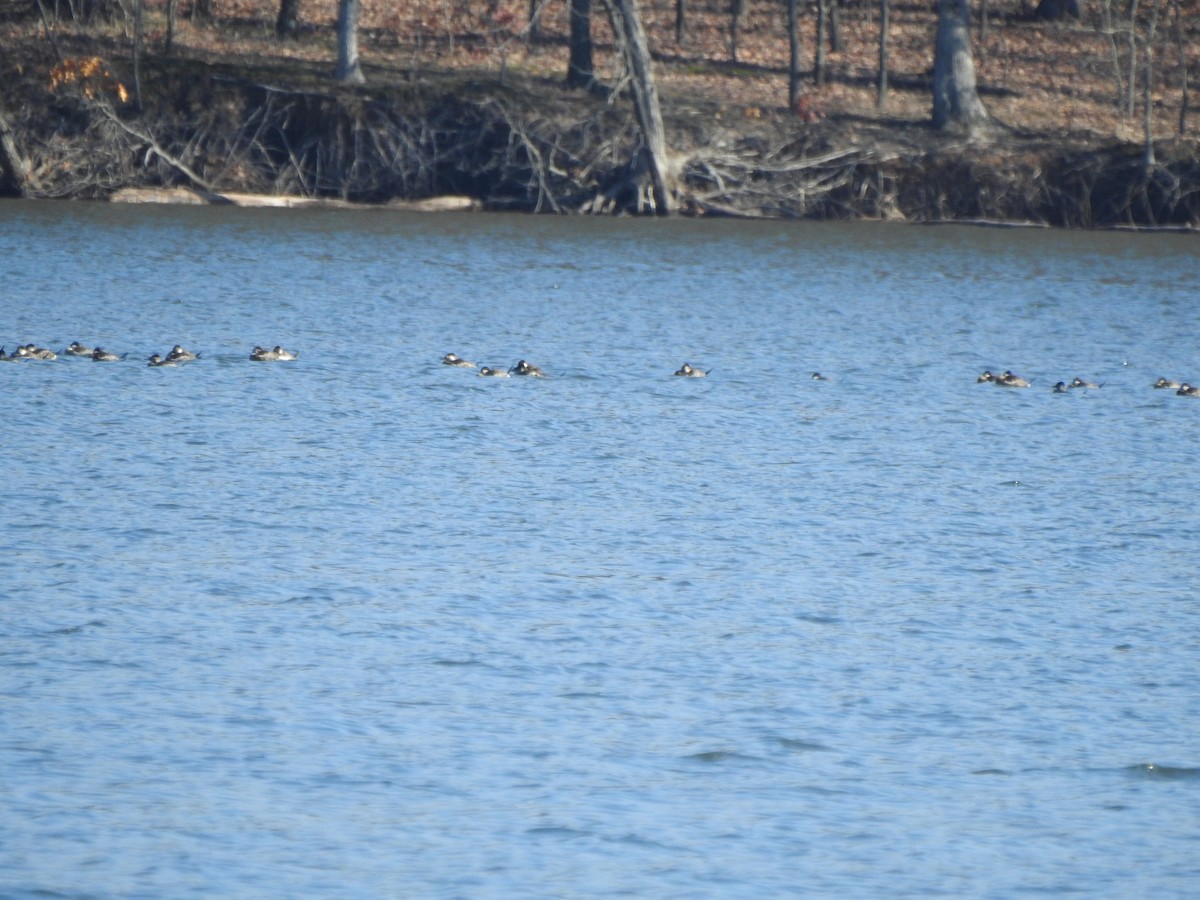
point(1060, 388)
point(687, 370)
point(1186, 390)
point(1164, 383)
point(816, 376)
point(1008, 379)
point(451, 360)
point(492, 373)
point(178, 354)
point(4, 357)
point(524, 368)
point(101, 355)
point(157, 360)
point(1080, 383)
point(77, 349)
point(986, 376)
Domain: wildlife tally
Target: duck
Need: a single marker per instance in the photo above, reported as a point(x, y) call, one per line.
point(1060, 388)
point(687, 370)
point(451, 359)
point(1166, 383)
point(986, 376)
point(524, 368)
point(487, 372)
point(33, 351)
point(258, 354)
point(178, 354)
point(5, 357)
point(77, 349)
point(1080, 383)
point(157, 360)
point(817, 376)
point(1008, 379)
point(1186, 390)
point(101, 355)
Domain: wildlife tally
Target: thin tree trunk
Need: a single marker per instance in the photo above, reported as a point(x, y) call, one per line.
point(137, 55)
point(1131, 81)
point(627, 26)
point(171, 10)
point(955, 97)
point(737, 9)
point(49, 33)
point(348, 68)
point(1183, 69)
point(579, 62)
point(881, 95)
point(793, 15)
point(835, 26)
point(681, 22)
point(819, 60)
point(1148, 80)
point(1106, 23)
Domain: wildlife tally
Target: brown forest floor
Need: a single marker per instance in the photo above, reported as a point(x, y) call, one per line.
point(1043, 78)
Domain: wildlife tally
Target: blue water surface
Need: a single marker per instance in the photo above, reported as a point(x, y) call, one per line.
point(366, 625)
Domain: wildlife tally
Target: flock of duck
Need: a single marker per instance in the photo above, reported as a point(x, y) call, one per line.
point(529, 370)
point(1009, 379)
point(175, 356)
point(178, 355)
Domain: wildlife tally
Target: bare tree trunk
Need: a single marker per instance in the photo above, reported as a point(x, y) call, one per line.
point(137, 55)
point(1106, 24)
point(835, 26)
point(737, 10)
point(287, 23)
point(819, 60)
point(1183, 72)
point(955, 97)
point(579, 61)
point(681, 22)
point(881, 95)
point(627, 27)
point(533, 33)
point(348, 68)
point(1131, 81)
point(1148, 79)
point(793, 15)
point(15, 171)
point(171, 9)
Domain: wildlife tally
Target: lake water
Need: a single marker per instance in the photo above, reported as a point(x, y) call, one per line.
point(367, 625)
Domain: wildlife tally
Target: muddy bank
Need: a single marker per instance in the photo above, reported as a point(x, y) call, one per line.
point(528, 144)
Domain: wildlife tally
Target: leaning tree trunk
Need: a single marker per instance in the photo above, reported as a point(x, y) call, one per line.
point(955, 98)
point(16, 175)
point(579, 57)
point(348, 69)
point(627, 28)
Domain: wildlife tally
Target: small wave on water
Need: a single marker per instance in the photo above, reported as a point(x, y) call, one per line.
point(1169, 773)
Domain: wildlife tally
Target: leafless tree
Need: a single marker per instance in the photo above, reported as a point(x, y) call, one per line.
point(348, 68)
point(955, 96)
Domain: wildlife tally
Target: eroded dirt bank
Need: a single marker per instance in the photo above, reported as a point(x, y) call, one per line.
point(521, 142)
